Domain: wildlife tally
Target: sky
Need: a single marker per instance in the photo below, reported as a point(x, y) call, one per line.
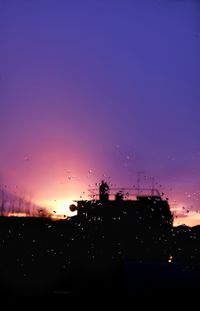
point(100, 89)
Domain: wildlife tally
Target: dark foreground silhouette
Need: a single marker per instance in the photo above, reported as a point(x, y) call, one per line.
point(40, 257)
point(121, 248)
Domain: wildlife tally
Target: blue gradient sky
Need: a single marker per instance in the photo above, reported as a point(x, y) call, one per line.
point(107, 86)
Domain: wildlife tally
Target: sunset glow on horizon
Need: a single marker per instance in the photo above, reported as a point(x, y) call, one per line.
point(58, 208)
point(93, 90)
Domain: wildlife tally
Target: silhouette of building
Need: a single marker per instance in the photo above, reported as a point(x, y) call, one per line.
point(148, 208)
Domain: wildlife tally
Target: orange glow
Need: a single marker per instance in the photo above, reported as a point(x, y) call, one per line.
point(58, 209)
point(185, 216)
point(15, 214)
point(192, 219)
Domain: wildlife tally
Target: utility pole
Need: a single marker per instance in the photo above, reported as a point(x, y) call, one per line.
point(152, 185)
point(138, 181)
point(2, 201)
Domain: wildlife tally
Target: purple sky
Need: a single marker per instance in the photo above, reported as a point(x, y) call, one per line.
point(107, 86)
